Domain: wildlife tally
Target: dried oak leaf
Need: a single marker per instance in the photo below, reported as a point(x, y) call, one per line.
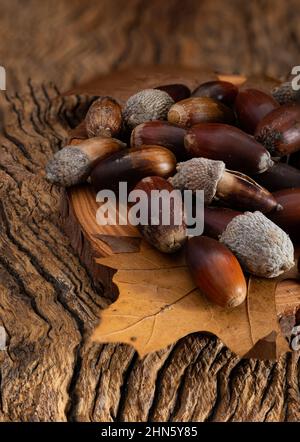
point(158, 304)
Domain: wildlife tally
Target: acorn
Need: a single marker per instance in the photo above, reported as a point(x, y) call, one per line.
point(262, 247)
point(278, 177)
point(104, 118)
point(227, 186)
point(238, 150)
point(219, 90)
point(166, 237)
point(73, 164)
point(195, 110)
point(279, 131)
point(216, 272)
point(147, 105)
point(289, 217)
point(132, 165)
point(177, 92)
point(285, 94)
point(160, 133)
point(251, 106)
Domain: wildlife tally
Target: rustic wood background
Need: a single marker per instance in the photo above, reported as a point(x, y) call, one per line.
point(48, 302)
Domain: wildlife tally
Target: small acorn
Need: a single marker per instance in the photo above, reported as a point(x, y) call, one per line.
point(73, 164)
point(289, 217)
point(238, 150)
point(147, 105)
point(104, 118)
point(177, 92)
point(219, 90)
point(285, 94)
point(216, 271)
point(195, 110)
point(227, 186)
point(262, 247)
point(278, 177)
point(132, 165)
point(170, 237)
point(251, 106)
point(279, 131)
point(160, 133)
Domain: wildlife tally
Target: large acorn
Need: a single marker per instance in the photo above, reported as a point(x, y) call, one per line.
point(261, 246)
point(219, 90)
point(195, 110)
point(132, 165)
point(167, 237)
point(216, 271)
point(232, 188)
point(279, 131)
point(223, 142)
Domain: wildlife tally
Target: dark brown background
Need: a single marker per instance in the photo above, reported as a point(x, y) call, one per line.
point(48, 303)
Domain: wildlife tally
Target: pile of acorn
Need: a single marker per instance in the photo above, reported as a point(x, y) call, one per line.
point(239, 146)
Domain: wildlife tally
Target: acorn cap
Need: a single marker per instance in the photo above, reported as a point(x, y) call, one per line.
point(199, 174)
point(147, 105)
point(262, 248)
point(69, 166)
point(285, 94)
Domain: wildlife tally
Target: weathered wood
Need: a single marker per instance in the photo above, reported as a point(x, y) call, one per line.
point(48, 302)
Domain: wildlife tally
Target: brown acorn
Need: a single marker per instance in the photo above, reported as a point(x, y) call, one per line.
point(238, 150)
point(289, 217)
point(195, 110)
point(278, 177)
point(104, 118)
point(232, 188)
point(170, 237)
point(219, 90)
point(279, 131)
point(132, 165)
point(251, 106)
point(177, 92)
point(73, 163)
point(160, 133)
point(216, 271)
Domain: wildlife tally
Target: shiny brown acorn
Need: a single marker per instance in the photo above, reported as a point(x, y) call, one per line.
point(289, 217)
point(167, 238)
point(232, 188)
point(104, 118)
point(238, 150)
point(262, 247)
point(160, 133)
point(251, 106)
point(278, 177)
point(279, 131)
point(177, 92)
point(73, 163)
point(132, 165)
point(219, 90)
point(195, 110)
point(216, 272)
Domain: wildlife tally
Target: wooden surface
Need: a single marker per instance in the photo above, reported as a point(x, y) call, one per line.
point(48, 301)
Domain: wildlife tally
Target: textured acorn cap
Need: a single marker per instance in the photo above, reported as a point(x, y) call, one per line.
point(199, 174)
point(260, 245)
point(147, 105)
point(69, 166)
point(285, 94)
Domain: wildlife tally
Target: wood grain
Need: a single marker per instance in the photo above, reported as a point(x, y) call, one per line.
point(48, 301)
